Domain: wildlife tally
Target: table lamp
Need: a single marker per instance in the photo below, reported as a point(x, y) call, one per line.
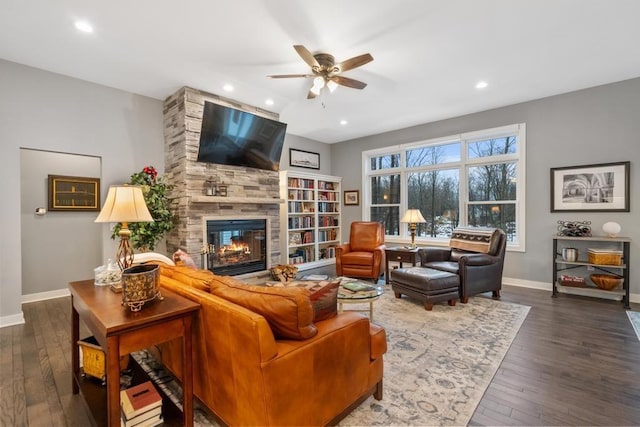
point(413, 217)
point(124, 204)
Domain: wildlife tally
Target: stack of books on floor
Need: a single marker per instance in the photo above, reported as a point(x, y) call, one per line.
point(140, 406)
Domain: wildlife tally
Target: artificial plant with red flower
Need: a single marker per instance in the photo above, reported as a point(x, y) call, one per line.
point(145, 235)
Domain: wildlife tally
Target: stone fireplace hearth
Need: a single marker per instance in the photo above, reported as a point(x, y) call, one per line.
point(251, 192)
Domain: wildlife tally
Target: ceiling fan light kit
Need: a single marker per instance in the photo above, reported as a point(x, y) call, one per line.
point(325, 72)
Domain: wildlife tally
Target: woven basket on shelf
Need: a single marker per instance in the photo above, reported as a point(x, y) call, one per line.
point(606, 281)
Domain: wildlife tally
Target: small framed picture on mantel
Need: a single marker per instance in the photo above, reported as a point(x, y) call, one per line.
point(304, 159)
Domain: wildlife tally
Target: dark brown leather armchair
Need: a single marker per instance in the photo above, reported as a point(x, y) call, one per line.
point(479, 272)
point(363, 256)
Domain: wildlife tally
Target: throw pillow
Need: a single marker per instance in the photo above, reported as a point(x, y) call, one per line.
point(180, 257)
point(476, 239)
point(324, 296)
point(287, 310)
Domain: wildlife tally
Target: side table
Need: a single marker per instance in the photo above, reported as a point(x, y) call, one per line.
point(120, 332)
point(399, 254)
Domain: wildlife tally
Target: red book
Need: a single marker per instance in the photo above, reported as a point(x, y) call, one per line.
point(138, 399)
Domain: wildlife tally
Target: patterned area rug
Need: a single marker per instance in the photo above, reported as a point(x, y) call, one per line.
point(634, 318)
point(437, 367)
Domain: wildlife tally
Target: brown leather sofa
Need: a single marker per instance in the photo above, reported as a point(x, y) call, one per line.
point(479, 271)
point(246, 374)
point(363, 256)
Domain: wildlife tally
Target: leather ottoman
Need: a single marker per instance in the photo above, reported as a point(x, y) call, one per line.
point(426, 284)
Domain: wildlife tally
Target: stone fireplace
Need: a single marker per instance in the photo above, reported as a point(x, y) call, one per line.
point(250, 193)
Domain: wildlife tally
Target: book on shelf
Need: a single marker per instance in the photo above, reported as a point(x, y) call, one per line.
point(139, 399)
point(146, 419)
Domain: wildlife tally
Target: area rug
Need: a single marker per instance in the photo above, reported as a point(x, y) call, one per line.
point(437, 367)
point(634, 318)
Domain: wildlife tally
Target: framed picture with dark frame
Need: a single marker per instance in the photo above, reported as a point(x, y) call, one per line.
point(600, 187)
point(73, 193)
point(351, 197)
point(304, 159)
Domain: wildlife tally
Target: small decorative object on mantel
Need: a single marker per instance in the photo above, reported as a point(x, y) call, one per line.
point(574, 228)
point(210, 187)
point(611, 229)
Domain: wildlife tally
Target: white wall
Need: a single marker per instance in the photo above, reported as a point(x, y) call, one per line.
point(596, 125)
point(42, 110)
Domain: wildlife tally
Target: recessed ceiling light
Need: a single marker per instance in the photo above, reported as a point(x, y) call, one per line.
point(84, 26)
point(228, 87)
point(343, 122)
point(481, 84)
point(269, 102)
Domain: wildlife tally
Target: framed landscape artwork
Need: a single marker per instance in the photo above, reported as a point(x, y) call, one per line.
point(351, 197)
point(590, 188)
point(304, 159)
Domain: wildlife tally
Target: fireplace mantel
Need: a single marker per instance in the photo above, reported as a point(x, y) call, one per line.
point(234, 200)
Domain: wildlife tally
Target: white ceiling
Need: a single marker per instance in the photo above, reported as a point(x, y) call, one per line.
point(428, 54)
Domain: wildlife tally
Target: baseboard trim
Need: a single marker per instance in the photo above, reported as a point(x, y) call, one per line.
point(14, 319)
point(544, 286)
point(41, 296)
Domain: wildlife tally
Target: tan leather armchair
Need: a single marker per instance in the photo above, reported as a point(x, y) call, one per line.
point(363, 256)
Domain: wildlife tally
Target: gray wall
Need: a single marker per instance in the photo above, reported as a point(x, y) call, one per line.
point(305, 144)
point(45, 111)
point(58, 247)
point(595, 125)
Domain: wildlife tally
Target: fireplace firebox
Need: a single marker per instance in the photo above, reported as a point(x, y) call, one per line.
point(236, 246)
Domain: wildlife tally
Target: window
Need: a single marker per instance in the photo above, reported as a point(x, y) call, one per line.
point(473, 179)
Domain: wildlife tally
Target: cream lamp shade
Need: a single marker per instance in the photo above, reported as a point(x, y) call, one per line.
point(413, 217)
point(124, 204)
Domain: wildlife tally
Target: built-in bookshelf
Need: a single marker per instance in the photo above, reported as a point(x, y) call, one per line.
point(311, 221)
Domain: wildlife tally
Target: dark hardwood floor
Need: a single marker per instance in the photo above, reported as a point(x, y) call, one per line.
point(575, 361)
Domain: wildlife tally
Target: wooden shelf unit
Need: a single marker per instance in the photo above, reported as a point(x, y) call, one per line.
point(585, 268)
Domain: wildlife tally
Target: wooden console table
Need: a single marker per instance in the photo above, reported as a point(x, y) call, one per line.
point(120, 332)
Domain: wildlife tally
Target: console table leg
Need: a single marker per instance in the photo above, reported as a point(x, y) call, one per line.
point(75, 356)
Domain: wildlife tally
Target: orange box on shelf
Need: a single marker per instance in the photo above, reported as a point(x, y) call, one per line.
point(605, 256)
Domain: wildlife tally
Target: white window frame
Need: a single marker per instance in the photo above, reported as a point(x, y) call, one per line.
point(465, 139)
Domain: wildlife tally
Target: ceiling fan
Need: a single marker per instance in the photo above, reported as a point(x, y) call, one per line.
point(325, 72)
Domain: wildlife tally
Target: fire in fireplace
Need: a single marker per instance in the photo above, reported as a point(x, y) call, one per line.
point(235, 246)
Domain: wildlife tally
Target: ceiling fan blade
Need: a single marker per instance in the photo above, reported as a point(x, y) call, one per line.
point(306, 55)
point(346, 81)
point(288, 76)
point(354, 62)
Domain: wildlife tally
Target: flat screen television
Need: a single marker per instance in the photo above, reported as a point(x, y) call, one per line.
point(233, 137)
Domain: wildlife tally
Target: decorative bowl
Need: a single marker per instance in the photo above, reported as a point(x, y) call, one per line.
point(606, 281)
